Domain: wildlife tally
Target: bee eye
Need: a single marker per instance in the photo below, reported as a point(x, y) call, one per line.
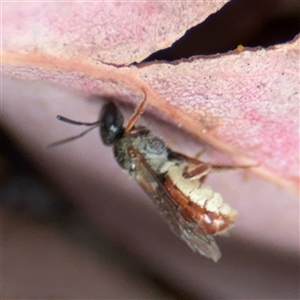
point(111, 123)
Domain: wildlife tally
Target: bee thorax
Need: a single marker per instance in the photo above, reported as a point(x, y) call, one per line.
point(151, 148)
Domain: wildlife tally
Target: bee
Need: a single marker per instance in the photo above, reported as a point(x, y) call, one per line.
point(174, 181)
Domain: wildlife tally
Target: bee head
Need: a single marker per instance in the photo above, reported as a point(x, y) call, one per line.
point(111, 123)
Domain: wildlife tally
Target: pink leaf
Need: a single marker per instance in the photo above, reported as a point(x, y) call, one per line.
point(243, 103)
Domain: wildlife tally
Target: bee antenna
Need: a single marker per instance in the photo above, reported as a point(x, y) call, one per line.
point(66, 120)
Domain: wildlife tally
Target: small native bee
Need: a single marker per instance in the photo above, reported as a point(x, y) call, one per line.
point(174, 181)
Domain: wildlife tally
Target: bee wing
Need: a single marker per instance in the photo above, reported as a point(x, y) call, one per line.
point(189, 232)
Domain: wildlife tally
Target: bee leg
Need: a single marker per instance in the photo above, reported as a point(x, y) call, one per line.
point(137, 113)
point(217, 168)
point(202, 169)
point(201, 152)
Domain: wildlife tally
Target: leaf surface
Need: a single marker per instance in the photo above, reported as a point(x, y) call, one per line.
point(244, 103)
